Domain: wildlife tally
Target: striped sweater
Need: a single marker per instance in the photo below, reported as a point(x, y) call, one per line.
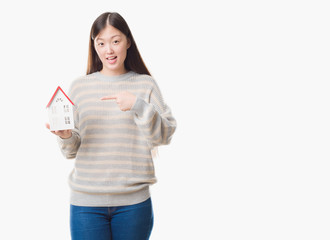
point(112, 148)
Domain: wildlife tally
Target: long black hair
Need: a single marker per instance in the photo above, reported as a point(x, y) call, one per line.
point(133, 61)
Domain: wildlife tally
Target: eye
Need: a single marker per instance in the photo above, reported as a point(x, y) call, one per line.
point(116, 41)
point(100, 44)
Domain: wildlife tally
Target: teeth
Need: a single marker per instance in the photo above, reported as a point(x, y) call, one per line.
point(111, 58)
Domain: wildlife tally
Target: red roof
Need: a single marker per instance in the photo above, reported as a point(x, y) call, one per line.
point(58, 88)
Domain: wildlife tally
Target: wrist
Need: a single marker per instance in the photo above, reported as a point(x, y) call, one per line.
point(66, 136)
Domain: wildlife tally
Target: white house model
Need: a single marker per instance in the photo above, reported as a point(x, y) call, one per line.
point(60, 111)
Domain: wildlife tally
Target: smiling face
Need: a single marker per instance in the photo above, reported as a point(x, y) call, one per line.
point(111, 46)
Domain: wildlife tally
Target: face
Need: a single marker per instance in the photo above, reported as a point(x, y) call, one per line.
point(111, 46)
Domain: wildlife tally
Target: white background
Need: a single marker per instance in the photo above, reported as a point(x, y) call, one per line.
point(247, 81)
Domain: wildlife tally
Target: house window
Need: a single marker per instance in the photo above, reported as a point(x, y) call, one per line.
point(66, 108)
point(67, 120)
point(54, 109)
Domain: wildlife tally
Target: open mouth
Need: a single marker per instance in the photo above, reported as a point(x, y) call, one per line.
point(112, 60)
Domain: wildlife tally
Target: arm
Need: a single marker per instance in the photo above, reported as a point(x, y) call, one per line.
point(154, 118)
point(69, 146)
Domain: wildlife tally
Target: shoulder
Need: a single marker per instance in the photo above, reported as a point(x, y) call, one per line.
point(82, 79)
point(80, 83)
point(145, 79)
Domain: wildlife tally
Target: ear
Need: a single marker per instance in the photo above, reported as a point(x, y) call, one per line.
point(128, 43)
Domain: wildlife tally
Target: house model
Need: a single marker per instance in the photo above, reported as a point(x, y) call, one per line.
point(60, 111)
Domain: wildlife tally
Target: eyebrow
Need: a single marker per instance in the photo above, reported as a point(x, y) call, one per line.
point(110, 38)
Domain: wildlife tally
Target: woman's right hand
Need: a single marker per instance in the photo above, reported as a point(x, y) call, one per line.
point(61, 133)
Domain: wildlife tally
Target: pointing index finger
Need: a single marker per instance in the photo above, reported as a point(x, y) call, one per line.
point(109, 97)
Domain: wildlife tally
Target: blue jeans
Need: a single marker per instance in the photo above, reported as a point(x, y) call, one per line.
point(132, 222)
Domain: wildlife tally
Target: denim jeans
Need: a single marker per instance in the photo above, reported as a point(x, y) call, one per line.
point(132, 222)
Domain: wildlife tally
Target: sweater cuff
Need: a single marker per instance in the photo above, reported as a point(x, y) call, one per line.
point(139, 106)
point(67, 140)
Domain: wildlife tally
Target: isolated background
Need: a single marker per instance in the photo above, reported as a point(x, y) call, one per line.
point(247, 81)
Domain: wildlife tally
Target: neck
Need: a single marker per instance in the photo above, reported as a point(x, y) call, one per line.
point(113, 73)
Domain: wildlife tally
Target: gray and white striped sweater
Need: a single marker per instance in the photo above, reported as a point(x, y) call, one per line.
point(112, 148)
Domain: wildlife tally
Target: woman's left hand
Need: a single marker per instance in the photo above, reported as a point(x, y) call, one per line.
point(125, 100)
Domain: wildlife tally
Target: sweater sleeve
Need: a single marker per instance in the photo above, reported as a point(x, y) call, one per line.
point(154, 118)
point(69, 146)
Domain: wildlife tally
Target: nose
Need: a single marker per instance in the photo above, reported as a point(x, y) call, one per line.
point(109, 49)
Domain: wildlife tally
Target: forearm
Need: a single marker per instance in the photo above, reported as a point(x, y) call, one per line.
point(69, 146)
point(157, 127)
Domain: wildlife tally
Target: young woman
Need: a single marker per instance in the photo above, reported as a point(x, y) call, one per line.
point(120, 117)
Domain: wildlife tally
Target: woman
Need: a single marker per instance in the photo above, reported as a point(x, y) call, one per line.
point(120, 117)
